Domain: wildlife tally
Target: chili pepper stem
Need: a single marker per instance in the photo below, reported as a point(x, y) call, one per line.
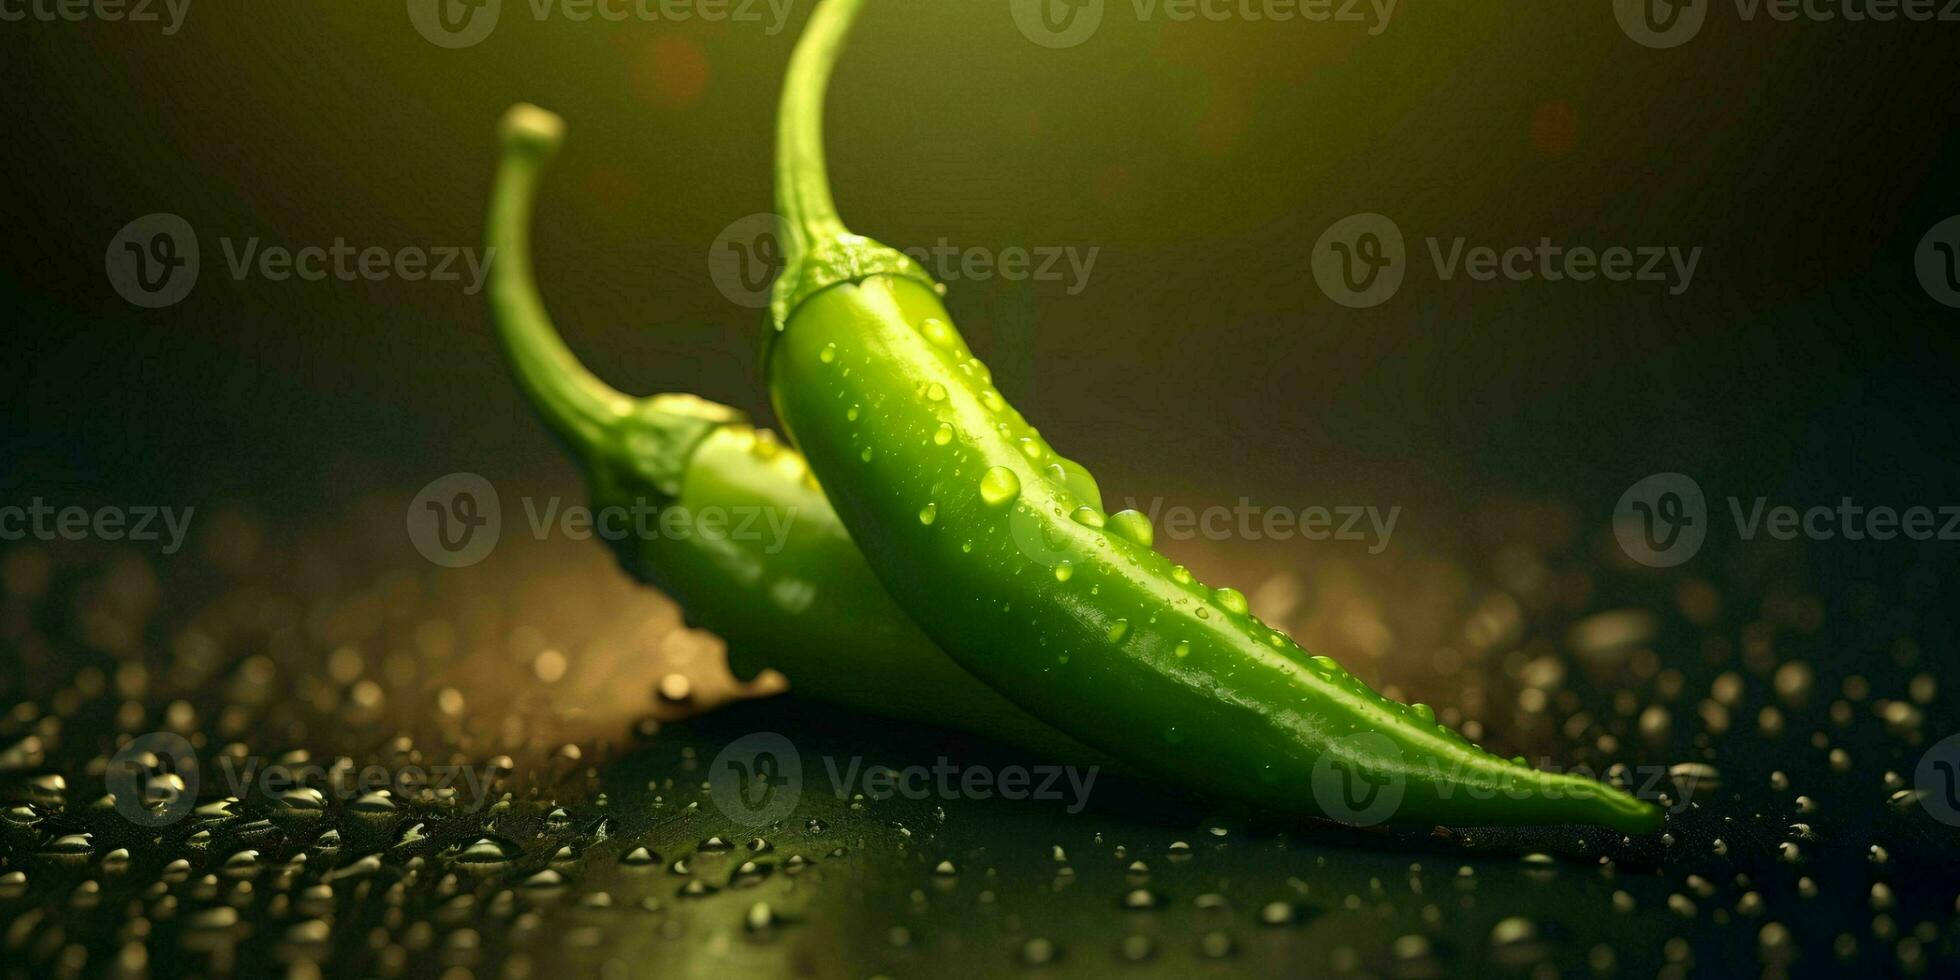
point(577, 406)
point(802, 180)
point(818, 251)
point(613, 434)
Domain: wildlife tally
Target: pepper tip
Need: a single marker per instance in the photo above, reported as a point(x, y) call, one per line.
point(528, 127)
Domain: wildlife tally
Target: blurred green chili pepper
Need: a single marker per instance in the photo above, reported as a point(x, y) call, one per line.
point(799, 599)
point(1001, 550)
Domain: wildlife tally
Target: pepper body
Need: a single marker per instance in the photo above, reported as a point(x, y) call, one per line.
point(999, 549)
point(793, 593)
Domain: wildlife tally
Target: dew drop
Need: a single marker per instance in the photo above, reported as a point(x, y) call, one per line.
point(939, 333)
point(1132, 526)
point(943, 434)
point(999, 486)
point(928, 514)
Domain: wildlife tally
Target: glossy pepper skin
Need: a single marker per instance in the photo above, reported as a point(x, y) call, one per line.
point(805, 604)
point(999, 548)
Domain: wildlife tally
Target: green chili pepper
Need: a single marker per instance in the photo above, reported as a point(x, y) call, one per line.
point(1001, 550)
point(794, 594)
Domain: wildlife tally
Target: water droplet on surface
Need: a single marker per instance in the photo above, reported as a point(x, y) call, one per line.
point(999, 486)
point(1132, 526)
point(939, 333)
point(1038, 952)
point(928, 514)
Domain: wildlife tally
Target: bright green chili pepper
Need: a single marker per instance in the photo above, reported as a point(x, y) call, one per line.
point(799, 598)
point(1001, 550)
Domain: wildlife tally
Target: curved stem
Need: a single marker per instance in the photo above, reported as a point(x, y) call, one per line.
point(802, 181)
point(578, 407)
